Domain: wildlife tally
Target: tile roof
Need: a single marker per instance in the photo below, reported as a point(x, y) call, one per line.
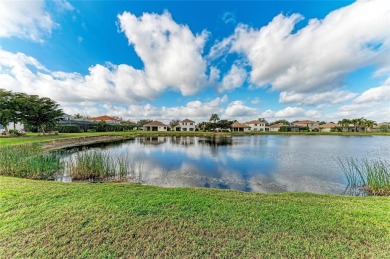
point(305, 122)
point(239, 125)
point(254, 122)
point(156, 124)
point(329, 125)
point(187, 120)
point(278, 125)
point(103, 118)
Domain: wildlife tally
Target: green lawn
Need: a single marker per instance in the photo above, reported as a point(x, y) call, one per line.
point(43, 219)
point(34, 138)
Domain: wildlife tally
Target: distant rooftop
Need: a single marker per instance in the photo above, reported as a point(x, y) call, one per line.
point(239, 125)
point(155, 124)
point(103, 118)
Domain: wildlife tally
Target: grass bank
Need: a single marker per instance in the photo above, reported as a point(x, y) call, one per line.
point(43, 219)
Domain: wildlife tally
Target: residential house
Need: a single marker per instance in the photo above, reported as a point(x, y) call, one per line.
point(257, 125)
point(275, 127)
point(185, 125)
point(380, 127)
point(107, 119)
point(307, 123)
point(239, 127)
point(67, 117)
point(328, 126)
point(155, 126)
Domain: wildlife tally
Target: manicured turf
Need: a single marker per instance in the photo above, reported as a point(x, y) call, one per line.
point(43, 219)
point(35, 138)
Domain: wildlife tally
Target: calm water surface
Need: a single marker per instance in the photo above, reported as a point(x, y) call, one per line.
point(268, 163)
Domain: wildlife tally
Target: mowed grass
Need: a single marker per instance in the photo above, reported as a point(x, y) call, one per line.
point(43, 219)
point(36, 138)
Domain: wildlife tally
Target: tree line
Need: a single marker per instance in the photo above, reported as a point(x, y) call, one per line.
point(358, 124)
point(31, 110)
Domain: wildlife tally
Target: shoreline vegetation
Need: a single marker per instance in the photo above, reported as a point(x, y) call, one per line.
point(40, 219)
point(65, 140)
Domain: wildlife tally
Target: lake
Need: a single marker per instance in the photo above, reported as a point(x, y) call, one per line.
point(262, 163)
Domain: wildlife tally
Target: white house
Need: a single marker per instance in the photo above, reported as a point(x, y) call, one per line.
point(155, 126)
point(275, 127)
point(256, 125)
point(328, 126)
point(236, 127)
point(307, 123)
point(185, 125)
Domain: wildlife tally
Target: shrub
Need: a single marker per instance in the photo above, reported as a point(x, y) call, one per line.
point(68, 128)
point(91, 130)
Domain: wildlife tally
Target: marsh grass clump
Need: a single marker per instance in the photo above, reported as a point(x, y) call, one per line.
point(96, 165)
point(371, 177)
point(29, 161)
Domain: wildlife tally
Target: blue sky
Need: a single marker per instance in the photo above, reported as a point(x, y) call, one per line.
point(319, 60)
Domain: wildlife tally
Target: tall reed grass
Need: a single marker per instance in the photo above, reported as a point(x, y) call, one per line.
point(97, 165)
point(28, 161)
point(369, 176)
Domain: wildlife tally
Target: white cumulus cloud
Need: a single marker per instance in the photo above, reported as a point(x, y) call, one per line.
point(233, 79)
point(331, 97)
point(239, 109)
point(25, 19)
point(171, 53)
point(290, 112)
point(318, 56)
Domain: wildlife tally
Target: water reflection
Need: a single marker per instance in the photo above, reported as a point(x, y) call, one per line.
point(249, 163)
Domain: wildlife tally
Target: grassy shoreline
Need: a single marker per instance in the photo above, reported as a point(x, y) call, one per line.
point(35, 138)
point(50, 219)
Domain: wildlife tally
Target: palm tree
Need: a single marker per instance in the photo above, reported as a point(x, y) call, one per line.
point(369, 124)
point(355, 122)
point(214, 117)
point(344, 124)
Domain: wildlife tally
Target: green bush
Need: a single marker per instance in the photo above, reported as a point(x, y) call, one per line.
point(283, 129)
point(91, 130)
point(13, 132)
point(68, 129)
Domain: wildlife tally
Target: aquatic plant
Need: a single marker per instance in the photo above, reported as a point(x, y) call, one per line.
point(29, 161)
point(371, 177)
point(96, 165)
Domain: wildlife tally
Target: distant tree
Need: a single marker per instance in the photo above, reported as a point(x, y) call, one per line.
point(384, 127)
point(264, 121)
point(214, 117)
point(202, 125)
point(322, 122)
point(284, 122)
point(6, 109)
point(42, 112)
point(369, 124)
point(355, 123)
point(344, 123)
point(117, 118)
point(173, 123)
point(142, 122)
point(224, 124)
